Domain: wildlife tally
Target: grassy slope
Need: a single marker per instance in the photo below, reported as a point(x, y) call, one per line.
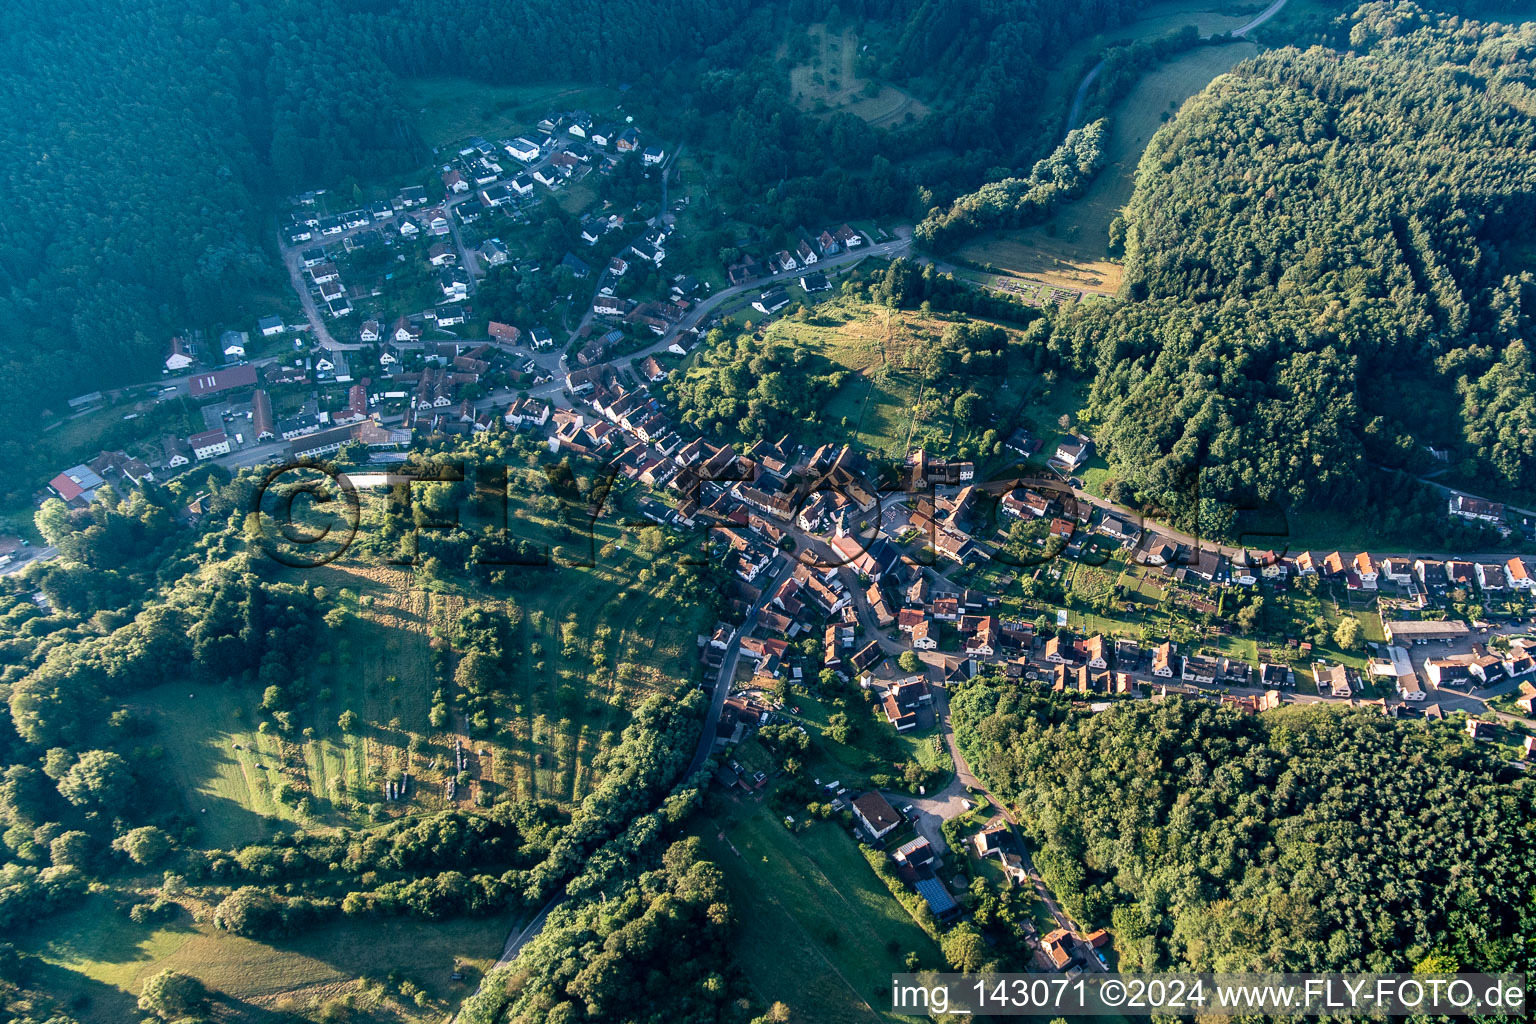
point(814, 921)
point(879, 402)
point(1069, 250)
point(448, 110)
point(556, 721)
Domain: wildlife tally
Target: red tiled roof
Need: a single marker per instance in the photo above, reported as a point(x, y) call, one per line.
point(65, 487)
point(222, 380)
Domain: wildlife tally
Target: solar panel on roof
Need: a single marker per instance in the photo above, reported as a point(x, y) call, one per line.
point(938, 897)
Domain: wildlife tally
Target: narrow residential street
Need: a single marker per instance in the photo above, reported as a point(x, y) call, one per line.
point(1151, 530)
point(898, 246)
point(469, 258)
point(602, 272)
point(519, 938)
point(293, 258)
point(41, 554)
point(727, 673)
point(552, 362)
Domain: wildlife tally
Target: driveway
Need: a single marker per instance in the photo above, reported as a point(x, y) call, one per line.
point(931, 812)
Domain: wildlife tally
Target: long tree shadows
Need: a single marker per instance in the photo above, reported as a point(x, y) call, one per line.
point(218, 775)
point(91, 961)
point(95, 936)
point(90, 1001)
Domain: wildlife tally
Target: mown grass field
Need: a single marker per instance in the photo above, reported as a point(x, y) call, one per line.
point(828, 82)
point(1153, 22)
point(95, 959)
point(873, 748)
point(1070, 250)
point(875, 407)
point(560, 704)
point(816, 928)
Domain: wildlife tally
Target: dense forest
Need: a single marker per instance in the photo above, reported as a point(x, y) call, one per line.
point(1327, 267)
point(1310, 838)
point(748, 388)
point(647, 942)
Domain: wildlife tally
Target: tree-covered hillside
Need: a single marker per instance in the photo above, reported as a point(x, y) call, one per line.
point(1327, 267)
point(1309, 838)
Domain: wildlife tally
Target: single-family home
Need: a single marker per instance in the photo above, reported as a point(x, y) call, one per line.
point(1072, 452)
point(1453, 671)
point(1332, 680)
point(179, 357)
point(1367, 569)
point(914, 853)
point(177, 452)
point(503, 332)
point(1096, 649)
point(877, 816)
point(771, 301)
point(523, 149)
point(1057, 946)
